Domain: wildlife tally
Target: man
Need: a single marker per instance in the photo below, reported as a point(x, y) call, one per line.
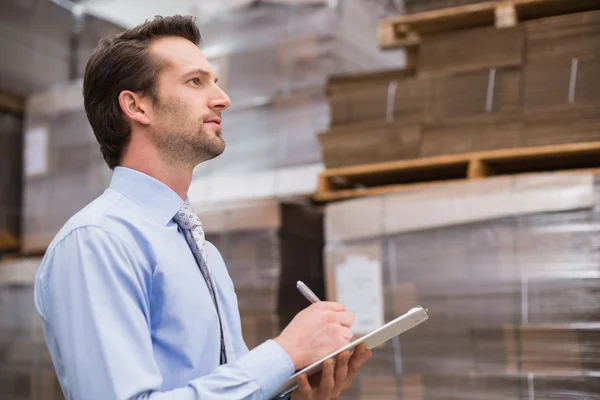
point(135, 304)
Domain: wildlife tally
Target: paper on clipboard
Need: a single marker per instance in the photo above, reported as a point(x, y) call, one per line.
point(359, 287)
point(409, 320)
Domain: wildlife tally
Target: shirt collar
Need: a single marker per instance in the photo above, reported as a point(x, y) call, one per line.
point(149, 193)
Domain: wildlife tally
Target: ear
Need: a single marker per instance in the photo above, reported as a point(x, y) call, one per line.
point(134, 107)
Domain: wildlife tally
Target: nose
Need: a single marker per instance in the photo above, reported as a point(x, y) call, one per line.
point(219, 100)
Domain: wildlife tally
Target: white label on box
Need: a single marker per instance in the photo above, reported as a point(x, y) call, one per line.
point(36, 151)
point(358, 286)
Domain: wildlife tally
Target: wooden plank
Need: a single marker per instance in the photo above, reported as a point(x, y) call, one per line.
point(567, 149)
point(386, 35)
point(326, 197)
point(478, 169)
point(505, 15)
point(8, 241)
point(535, 9)
point(381, 178)
point(11, 103)
point(449, 18)
point(373, 191)
point(390, 166)
point(409, 30)
point(491, 155)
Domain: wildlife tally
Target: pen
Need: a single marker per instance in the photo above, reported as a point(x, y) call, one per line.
point(306, 292)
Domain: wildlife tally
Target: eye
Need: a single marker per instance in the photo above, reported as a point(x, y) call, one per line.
point(195, 81)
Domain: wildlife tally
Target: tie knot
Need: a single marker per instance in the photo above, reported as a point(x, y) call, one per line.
point(186, 218)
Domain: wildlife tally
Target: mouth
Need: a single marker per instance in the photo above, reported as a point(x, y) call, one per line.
point(214, 122)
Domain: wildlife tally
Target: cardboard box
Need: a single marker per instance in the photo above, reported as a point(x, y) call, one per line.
point(391, 101)
point(384, 142)
point(11, 154)
point(509, 281)
point(471, 49)
point(566, 36)
point(268, 246)
point(63, 167)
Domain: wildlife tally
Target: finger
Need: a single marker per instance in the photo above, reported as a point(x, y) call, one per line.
point(341, 373)
point(303, 385)
point(341, 366)
point(366, 356)
point(330, 305)
point(365, 353)
point(354, 364)
point(346, 333)
point(361, 349)
point(360, 356)
point(327, 380)
point(345, 318)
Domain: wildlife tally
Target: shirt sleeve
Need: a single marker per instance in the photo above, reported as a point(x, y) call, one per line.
point(93, 294)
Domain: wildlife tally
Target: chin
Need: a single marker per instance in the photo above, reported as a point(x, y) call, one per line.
point(217, 147)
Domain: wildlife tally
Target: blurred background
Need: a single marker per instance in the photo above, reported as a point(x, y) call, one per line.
point(389, 153)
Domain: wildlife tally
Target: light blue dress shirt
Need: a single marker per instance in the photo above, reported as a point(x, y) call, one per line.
point(127, 314)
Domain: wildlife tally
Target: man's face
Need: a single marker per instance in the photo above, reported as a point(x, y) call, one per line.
point(186, 120)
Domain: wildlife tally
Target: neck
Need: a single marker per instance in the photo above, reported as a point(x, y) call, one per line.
point(175, 175)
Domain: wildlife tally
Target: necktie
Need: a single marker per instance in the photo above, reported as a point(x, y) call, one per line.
point(191, 226)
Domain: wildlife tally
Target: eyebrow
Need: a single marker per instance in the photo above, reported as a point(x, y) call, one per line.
point(200, 71)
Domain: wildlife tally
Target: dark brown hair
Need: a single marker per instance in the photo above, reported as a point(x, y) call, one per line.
point(122, 62)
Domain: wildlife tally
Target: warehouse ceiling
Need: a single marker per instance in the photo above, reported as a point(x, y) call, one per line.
point(128, 13)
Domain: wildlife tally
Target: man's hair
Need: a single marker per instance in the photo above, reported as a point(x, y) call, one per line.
point(123, 62)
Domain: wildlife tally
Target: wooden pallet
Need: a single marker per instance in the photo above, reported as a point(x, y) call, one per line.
point(376, 179)
point(8, 241)
point(408, 30)
point(11, 103)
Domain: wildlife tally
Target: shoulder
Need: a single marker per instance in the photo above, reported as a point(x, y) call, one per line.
point(110, 217)
point(95, 234)
point(92, 218)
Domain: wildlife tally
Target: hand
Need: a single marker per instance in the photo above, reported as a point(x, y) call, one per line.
point(315, 332)
point(330, 384)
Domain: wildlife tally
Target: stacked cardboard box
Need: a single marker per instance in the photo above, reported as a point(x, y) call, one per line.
point(463, 77)
point(374, 117)
point(569, 35)
point(371, 142)
point(474, 89)
point(11, 144)
point(509, 278)
point(63, 167)
point(267, 247)
point(475, 387)
point(374, 96)
point(38, 33)
point(26, 370)
point(561, 90)
point(562, 61)
point(471, 49)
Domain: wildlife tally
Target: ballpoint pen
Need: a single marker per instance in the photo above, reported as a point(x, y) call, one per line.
point(306, 292)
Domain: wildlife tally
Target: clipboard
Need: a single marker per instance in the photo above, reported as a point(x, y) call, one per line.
point(403, 323)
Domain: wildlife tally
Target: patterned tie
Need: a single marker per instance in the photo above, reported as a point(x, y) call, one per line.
point(190, 224)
